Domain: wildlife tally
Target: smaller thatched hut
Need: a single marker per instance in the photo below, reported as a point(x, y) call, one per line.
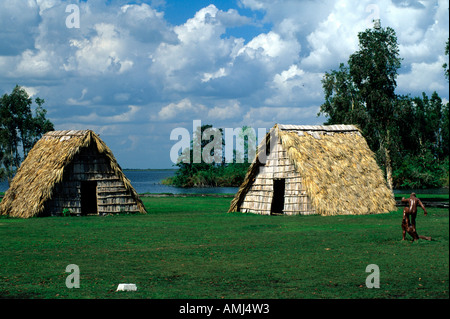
point(326, 170)
point(69, 171)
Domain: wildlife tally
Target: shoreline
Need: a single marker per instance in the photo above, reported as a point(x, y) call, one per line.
point(428, 202)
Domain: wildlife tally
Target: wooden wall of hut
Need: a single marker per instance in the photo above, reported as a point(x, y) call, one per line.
point(110, 196)
point(260, 195)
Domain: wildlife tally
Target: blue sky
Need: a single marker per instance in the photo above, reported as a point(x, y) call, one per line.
point(136, 70)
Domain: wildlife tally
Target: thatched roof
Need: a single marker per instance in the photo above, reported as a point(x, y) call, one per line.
point(337, 168)
point(44, 167)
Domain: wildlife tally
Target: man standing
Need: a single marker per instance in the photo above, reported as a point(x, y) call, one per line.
point(409, 217)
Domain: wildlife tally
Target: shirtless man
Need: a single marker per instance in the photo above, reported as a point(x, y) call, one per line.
point(409, 226)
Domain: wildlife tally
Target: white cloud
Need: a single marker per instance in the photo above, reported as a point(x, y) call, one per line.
point(45, 5)
point(210, 76)
point(32, 91)
point(182, 108)
point(80, 100)
point(202, 53)
point(291, 16)
point(104, 52)
point(269, 45)
point(424, 77)
point(145, 24)
point(254, 4)
point(128, 116)
point(268, 116)
point(225, 112)
point(295, 87)
point(34, 63)
point(335, 38)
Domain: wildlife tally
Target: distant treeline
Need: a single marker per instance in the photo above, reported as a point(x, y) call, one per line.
point(207, 175)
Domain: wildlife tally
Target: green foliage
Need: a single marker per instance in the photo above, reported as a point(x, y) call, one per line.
point(421, 172)
point(409, 136)
point(66, 212)
point(342, 99)
point(19, 129)
point(373, 69)
point(420, 149)
point(228, 175)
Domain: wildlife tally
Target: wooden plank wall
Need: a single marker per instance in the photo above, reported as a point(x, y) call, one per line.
point(259, 197)
point(89, 165)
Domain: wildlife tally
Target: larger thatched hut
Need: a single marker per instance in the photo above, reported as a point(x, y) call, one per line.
point(326, 170)
point(70, 171)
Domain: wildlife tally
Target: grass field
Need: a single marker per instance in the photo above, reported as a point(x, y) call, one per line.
point(189, 247)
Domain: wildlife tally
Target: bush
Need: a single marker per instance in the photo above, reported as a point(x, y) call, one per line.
point(421, 172)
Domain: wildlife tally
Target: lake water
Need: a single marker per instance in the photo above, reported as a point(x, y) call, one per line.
point(149, 181)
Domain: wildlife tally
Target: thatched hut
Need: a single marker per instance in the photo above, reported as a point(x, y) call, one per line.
point(326, 170)
point(69, 171)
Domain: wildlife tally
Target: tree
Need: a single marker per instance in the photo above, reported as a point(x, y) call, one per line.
point(19, 129)
point(364, 92)
point(420, 150)
point(204, 163)
point(197, 163)
point(343, 102)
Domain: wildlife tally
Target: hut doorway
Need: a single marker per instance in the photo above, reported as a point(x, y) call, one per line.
point(89, 198)
point(279, 186)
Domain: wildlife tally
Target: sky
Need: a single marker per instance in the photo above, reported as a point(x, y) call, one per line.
point(136, 71)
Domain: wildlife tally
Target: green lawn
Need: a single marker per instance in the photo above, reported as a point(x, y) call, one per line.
point(189, 247)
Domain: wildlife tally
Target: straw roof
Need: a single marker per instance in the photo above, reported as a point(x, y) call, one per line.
point(337, 168)
point(44, 167)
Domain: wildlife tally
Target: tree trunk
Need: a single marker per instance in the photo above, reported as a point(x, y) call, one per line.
point(388, 164)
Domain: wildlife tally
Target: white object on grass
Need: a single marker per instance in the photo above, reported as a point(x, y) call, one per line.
point(126, 287)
